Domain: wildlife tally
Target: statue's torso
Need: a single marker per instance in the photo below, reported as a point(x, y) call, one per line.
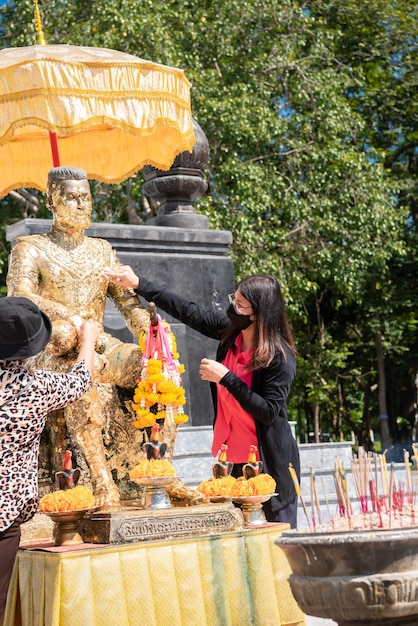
point(72, 277)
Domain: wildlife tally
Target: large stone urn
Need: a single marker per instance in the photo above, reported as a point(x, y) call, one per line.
point(358, 578)
point(176, 188)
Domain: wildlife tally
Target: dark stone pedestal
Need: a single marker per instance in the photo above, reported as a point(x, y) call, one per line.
point(195, 263)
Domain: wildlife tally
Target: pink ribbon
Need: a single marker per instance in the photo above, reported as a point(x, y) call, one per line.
point(157, 342)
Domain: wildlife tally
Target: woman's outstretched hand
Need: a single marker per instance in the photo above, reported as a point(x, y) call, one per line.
point(122, 275)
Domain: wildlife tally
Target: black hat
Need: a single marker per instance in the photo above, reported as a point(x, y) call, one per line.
point(24, 328)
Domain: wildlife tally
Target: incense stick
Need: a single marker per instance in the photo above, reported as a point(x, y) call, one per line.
point(298, 491)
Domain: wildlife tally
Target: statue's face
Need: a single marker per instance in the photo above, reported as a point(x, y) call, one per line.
point(72, 205)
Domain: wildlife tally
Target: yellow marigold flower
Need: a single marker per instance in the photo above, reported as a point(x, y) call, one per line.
point(140, 410)
point(217, 486)
point(155, 379)
point(160, 415)
point(242, 488)
point(181, 368)
point(181, 401)
point(154, 366)
point(166, 386)
point(80, 497)
point(151, 399)
point(142, 386)
point(168, 398)
point(152, 468)
point(138, 396)
point(263, 484)
point(181, 418)
point(145, 421)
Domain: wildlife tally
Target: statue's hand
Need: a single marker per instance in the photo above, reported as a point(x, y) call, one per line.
point(63, 339)
point(139, 321)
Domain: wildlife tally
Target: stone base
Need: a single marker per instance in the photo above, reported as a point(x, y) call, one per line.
point(375, 600)
point(134, 525)
point(180, 220)
point(39, 528)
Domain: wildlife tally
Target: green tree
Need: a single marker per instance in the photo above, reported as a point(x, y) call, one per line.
point(310, 114)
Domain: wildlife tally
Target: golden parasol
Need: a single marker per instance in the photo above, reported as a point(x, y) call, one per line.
point(105, 111)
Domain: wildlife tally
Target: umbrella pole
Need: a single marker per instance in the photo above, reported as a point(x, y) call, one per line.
point(54, 149)
point(40, 40)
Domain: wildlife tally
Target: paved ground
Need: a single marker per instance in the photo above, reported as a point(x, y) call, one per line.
point(318, 621)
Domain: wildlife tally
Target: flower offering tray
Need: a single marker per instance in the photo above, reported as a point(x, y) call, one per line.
point(128, 525)
point(156, 493)
point(252, 509)
point(66, 526)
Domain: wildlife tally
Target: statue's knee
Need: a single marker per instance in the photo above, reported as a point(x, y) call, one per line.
point(124, 365)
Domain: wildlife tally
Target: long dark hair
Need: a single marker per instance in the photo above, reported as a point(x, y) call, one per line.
point(272, 328)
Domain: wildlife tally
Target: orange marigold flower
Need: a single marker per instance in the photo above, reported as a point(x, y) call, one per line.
point(154, 366)
point(151, 399)
point(142, 385)
point(80, 497)
point(166, 386)
point(217, 486)
point(139, 410)
point(242, 488)
point(167, 398)
point(155, 379)
point(181, 418)
point(152, 468)
point(145, 420)
point(263, 484)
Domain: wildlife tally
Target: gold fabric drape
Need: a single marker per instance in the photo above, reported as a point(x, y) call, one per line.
point(112, 113)
point(233, 579)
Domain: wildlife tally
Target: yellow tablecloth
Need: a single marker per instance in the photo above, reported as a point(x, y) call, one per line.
point(233, 579)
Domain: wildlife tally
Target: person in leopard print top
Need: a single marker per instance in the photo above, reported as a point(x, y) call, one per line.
point(26, 397)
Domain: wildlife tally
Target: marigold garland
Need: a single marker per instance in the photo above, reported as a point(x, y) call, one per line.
point(159, 394)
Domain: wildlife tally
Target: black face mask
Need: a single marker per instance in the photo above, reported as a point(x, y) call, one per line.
point(238, 321)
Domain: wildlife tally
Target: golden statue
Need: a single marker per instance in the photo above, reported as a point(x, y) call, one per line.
point(62, 272)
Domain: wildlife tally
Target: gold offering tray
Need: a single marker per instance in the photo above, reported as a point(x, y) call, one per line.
point(252, 509)
point(66, 525)
point(156, 493)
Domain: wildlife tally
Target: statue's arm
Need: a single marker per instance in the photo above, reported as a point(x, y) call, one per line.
point(126, 300)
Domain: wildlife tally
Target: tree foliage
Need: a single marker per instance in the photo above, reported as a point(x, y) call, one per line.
point(311, 114)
